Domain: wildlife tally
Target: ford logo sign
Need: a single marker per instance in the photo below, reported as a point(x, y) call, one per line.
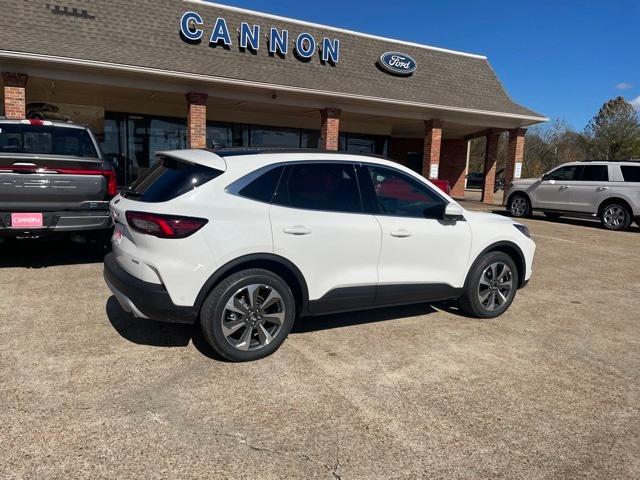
point(398, 63)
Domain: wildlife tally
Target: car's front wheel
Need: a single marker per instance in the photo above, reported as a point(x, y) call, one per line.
point(248, 315)
point(491, 286)
point(519, 205)
point(615, 216)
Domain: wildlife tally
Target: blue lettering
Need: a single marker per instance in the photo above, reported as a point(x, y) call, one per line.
point(305, 45)
point(220, 32)
point(190, 24)
point(278, 41)
point(330, 50)
point(249, 36)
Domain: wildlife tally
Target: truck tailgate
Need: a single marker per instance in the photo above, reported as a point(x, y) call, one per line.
point(48, 183)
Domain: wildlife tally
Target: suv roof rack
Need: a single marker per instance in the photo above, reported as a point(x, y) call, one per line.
point(239, 151)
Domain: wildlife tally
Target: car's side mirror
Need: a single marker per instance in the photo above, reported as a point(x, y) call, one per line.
point(453, 212)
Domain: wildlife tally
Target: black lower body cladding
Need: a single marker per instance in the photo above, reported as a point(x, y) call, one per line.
point(151, 299)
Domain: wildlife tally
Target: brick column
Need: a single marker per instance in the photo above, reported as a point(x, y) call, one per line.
point(15, 97)
point(330, 129)
point(490, 158)
point(515, 153)
point(432, 144)
point(453, 166)
point(197, 120)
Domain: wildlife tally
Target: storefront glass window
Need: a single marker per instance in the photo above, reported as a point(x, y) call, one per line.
point(310, 139)
point(131, 140)
point(356, 143)
point(219, 136)
point(275, 137)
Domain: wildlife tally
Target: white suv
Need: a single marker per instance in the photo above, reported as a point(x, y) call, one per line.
point(244, 241)
point(608, 190)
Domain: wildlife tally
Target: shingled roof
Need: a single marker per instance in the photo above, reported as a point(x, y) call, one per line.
point(145, 33)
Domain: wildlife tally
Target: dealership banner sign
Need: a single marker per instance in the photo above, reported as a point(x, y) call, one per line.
point(192, 29)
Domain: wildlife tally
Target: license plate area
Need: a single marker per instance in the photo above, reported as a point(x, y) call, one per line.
point(26, 220)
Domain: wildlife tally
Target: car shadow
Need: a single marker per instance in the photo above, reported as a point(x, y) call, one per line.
point(48, 252)
point(167, 335)
point(157, 334)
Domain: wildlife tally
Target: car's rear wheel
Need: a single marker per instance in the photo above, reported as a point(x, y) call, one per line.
point(615, 216)
point(491, 286)
point(519, 205)
point(248, 315)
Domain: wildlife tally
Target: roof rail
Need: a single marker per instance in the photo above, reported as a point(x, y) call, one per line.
point(239, 151)
point(614, 161)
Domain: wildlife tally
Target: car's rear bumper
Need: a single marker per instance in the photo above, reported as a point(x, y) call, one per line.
point(59, 222)
point(144, 299)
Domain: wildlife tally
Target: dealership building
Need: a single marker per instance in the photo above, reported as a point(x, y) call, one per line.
point(150, 75)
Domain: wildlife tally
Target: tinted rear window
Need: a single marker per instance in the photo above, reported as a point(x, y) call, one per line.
point(264, 187)
point(168, 179)
point(46, 140)
point(630, 174)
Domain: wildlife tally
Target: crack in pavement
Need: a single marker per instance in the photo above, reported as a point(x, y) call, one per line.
point(334, 469)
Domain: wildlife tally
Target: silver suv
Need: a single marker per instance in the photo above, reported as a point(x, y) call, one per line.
point(607, 190)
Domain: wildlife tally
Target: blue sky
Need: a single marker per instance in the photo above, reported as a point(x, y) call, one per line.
point(562, 58)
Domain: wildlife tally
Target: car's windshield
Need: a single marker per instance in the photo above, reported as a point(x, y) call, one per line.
point(46, 140)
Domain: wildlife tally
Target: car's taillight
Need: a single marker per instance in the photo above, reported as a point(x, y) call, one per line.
point(164, 226)
point(112, 185)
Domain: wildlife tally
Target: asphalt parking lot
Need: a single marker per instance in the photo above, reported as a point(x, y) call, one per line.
point(549, 390)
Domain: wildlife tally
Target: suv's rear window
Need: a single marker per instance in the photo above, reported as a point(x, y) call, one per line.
point(46, 140)
point(169, 178)
point(630, 173)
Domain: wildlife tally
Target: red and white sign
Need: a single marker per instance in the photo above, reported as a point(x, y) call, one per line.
point(26, 220)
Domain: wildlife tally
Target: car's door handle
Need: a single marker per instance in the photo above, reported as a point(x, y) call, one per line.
point(297, 230)
point(601, 189)
point(402, 233)
point(565, 187)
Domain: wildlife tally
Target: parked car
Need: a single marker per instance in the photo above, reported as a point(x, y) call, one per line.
point(53, 179)
point(246, 245)
point(607, 190)
point(442, 185)
point(475, 180)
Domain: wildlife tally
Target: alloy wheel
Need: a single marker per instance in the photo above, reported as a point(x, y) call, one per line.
point(495, 286)
point(518, 206)
point(614, 216)
point(253, 317)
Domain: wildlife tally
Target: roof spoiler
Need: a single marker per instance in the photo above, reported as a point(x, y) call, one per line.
point(200, 157)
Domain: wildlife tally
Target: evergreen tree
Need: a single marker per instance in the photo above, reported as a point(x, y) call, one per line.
point(614, 133)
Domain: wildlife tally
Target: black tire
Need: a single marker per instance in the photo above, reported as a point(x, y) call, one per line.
point(215, 307)
point(519, 205)
point(552, 215)
point(615, 216)
point(471, 299)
